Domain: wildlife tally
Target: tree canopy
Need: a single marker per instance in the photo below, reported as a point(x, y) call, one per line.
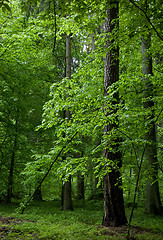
point(40, 144)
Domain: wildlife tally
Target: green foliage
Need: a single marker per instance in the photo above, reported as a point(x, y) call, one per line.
point(46, 221)
point(34, 93)
point(4, 5)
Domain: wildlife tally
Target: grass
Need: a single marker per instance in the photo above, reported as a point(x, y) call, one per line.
point(45, 220)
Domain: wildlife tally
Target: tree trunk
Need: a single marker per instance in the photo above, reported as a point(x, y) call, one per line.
point(38, 195)
point(67, 199)
point(10, 178)
point(80, 186)
point(153, 202)
point(114, 212)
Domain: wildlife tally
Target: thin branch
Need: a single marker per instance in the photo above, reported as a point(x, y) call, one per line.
point(148, 19)
point(131, 143)
point(7, 48)
point(6, 21)
point(39, 185)
point(158, 115)
point(138, 178)
point(136, 190)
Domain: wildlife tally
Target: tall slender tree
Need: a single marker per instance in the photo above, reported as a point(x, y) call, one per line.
point(67, 199)
point(12, 165)
point(114, 212)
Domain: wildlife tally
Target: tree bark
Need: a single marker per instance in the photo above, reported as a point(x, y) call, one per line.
point(153, 202)
point(67, 199)
point(114, 212)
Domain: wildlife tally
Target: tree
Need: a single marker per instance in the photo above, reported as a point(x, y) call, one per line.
point(141, 89)
point(114, 213)
point(67, 199)
point(153, 202)
point(23, 90)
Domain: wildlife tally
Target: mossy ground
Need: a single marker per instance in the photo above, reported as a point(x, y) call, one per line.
point(45, 220)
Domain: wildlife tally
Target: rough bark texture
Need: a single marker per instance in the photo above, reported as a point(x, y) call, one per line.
point(114, 212)
point(153, 202)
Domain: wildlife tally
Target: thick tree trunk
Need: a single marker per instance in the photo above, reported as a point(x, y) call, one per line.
point(114, 212)
point(153, 202)
point(67, 199)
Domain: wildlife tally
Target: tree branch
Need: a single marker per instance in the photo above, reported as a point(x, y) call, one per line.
point(138, 178)
point(148, 19)
point(39, 185)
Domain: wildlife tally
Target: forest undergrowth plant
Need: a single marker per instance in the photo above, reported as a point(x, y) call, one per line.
point(44, 220)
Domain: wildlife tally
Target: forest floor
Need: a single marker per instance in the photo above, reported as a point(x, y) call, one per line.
point(45, 221)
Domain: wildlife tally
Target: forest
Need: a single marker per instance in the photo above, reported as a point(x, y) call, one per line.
point(81, 119)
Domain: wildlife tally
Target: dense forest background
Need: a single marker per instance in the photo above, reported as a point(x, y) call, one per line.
point(81, 104)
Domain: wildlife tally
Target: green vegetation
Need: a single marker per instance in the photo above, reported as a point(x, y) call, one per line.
point(45, 220)
point(81, 119)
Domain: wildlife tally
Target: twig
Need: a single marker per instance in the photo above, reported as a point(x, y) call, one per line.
point(148, 19)
point(6, 20)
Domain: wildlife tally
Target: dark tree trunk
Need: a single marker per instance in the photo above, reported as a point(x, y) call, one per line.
point(80, 186)
point(37, 195)
point(10, 178)
point(67, 199)
point(114, 212)
point(153, 202)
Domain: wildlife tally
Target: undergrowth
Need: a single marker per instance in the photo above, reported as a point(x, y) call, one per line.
point(45, 220)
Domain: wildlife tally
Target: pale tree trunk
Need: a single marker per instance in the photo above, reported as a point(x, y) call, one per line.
point(114, 212)
point(67, 199)
point(153, 202)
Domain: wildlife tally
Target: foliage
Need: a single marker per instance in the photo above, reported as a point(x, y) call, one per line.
point(46, 221)
point(34, 96)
